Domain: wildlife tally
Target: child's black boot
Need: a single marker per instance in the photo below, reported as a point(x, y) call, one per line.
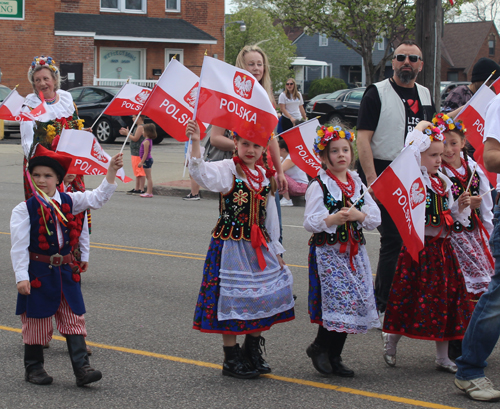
point(84, 373)
point(33, 363)
point(236, 365)
point(253, 353)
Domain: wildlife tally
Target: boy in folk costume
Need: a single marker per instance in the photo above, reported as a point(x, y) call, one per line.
point(43, 232)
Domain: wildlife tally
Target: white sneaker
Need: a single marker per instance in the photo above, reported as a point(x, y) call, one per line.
point(286, 202)
point(479, 389)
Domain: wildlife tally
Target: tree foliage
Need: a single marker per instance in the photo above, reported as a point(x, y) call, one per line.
point(325, 86)
point(261, 31)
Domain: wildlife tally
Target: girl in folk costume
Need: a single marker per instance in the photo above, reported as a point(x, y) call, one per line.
point(428, 298)
point(43, 231)
point(45, 79)
point(246, 286)
point(341, 298)
point(470, 242)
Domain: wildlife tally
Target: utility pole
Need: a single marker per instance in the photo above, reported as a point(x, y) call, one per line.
point(429, 29)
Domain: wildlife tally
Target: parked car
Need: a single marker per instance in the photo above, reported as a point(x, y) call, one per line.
point(308, 105)
point(447, 86)
point(9, 127)
point(91, 101)
point(341, 106)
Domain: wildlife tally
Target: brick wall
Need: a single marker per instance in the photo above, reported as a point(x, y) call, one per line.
point(76, 50)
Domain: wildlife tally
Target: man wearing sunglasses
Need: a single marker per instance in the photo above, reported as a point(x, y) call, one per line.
point(388, 111)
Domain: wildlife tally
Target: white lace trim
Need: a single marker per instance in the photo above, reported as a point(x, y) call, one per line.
point(61, 109)
point(248, 317)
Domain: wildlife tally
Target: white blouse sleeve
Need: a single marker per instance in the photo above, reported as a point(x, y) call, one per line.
point(487, 202)
point(85, 239)
point(93, 199)
point(316, 212)
point(462, 218)
point(372, 211)
point(20, 240)
point(273, 224)
point(214, 176)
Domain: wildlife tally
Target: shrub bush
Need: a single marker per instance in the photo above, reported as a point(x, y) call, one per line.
point(325, 86)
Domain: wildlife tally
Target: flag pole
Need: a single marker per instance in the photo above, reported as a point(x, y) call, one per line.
point(359, 198)
point(187, 156)
point(471, 176)
point(99, 117)
point(129, 131)
point(470, 100)
point(485, 193)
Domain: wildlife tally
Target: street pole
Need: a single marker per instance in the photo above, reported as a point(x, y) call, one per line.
point(429, 29)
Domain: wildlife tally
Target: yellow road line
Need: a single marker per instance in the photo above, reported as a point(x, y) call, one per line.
point(303, 382)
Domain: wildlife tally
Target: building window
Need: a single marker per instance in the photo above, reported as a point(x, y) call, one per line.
point(354, 75)
point(173, 6)
point(380, 43)
point(323, 40)
point(170, 53)
point(491, 45)
point(124, 6)
point(452, 76)
point(122, 63)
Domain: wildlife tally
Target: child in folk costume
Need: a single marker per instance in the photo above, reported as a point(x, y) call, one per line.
point(43, 231)
point(428, 298)
point(246, 286)
point(470, 242)
point(341, 298)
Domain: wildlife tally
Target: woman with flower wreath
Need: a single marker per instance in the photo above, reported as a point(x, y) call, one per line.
point(428, 298)
point(338, 207)
point(246, 287)
point(45, 79)
point(43, 231)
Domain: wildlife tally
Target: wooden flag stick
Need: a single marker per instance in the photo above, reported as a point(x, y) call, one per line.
point(471, 176)
point(129, 131)
point(485, 193)
point(359, 198)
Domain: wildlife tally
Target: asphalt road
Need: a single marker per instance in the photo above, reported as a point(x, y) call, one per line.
point(140, 292)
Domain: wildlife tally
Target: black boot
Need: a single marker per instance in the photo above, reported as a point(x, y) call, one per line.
point(337, 341)
point(84, 373)
point(319, 357)
point(33, 363)
point(236, 365)
point(339, 369)
point(253, 352)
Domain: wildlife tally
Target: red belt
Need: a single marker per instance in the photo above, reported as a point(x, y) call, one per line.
point(56, 259)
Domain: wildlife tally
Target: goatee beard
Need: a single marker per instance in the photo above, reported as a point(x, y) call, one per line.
point(406, 76)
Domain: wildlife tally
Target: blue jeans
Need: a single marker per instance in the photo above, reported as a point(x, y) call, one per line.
point(484, 327)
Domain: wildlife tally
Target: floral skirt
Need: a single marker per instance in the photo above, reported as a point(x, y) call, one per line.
point(429, 299)
point(340, 299)
point(205, 315)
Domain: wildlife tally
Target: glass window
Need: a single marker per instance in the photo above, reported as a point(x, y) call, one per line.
point(355, 96)
point(4, 91)
point(120, 63)
point(91, 95)
point(124, 6)
point(452, 76)
point(75, 93)
point(170, 53)
point(173, 5)
point(323, 40)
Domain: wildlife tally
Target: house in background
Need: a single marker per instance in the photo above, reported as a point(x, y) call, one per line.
point(463, 44)
point(109, 38)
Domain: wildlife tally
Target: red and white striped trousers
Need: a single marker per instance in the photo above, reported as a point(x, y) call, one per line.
point(38, 331)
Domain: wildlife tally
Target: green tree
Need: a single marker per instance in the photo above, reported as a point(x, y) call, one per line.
point(261, 31)
point(325, 85)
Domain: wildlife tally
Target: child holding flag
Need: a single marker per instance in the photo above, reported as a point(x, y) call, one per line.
point(146, 158)
point(338, 206)
point(135, 145)
point(428, 299)
point(43, 231)
point(246, 286)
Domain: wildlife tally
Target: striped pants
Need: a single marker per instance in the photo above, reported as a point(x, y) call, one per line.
point(38, 331)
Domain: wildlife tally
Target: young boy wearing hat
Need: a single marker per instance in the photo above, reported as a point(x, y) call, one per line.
point(43, 231)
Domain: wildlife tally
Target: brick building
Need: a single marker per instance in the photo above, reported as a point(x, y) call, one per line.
point(108, 38)
point(463, 44)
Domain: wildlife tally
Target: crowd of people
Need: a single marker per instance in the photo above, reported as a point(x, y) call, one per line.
point(246, 286)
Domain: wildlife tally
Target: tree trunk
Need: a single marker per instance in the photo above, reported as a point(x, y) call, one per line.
point(429, 26)
point(369, 67)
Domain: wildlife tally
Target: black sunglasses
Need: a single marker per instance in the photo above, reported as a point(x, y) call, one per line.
point(411, 57)
point(289, 83)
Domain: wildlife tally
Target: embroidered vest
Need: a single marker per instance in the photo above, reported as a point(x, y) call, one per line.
point(457, 189)
point(341, 235)
point(434, 208)
point(239, 209)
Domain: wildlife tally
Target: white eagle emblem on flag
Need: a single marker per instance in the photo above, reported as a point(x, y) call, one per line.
point(243, 85)
point(98, 153)
point(142, 96)
point(191, 96)
point(417, 193)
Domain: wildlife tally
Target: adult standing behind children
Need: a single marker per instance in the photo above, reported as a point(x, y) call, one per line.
point(146, 158)
point(291, 105)
point(388, 111)
point(136, 139)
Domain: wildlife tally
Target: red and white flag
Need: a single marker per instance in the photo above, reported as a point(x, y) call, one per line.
point(11, 106)
point(472, 115)
point(300, 142)
point(401, 190)
point(171, 104)
point(88, 156)
point(232, 98)
point(128, 101)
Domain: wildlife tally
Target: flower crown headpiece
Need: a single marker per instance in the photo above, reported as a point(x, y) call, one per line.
point(42, 61)
point(445, 123)
point(330, 133)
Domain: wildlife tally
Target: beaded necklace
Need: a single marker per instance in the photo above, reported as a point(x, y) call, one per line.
point(51, 101)
point(461, 178)
point(347, 188)
point(253, 180)
point(437, 185)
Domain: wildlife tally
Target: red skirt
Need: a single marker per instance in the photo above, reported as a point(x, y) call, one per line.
point(429, 299)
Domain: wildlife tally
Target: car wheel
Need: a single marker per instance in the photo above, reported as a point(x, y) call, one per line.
point(335, 119)
point(158, 140)
point(104, 131)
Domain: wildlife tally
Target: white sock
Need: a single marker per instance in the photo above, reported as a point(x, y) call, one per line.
point(442, 353)
point(393, 343)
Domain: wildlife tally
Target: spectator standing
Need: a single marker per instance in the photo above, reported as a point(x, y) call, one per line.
point(136, 139)
point(296, 178)
point(291, 105)
point(388, 111)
